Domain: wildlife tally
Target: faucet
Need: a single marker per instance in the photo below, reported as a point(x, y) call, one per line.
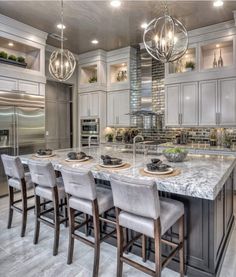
point(134, 144)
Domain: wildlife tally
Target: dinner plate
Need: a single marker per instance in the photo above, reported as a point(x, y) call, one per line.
point(112, 166)
point(168, 171)
point(44, 156)
point(81, 160)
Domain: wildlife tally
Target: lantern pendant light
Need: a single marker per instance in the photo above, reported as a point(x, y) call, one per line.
point(62, 62)
point(166, 38)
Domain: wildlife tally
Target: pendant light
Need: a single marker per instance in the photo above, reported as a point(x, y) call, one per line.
point(166, 38)
point(62, 62)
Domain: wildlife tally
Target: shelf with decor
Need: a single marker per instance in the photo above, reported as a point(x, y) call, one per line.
point(88, 74)
point(217, 55)
point(118, 73)
point(14, 53)
point(186, 64)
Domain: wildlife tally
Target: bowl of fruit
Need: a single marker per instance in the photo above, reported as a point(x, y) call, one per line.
point(175, 154)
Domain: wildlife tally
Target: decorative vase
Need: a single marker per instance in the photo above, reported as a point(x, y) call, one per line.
point(220, 61)
point(214, 61)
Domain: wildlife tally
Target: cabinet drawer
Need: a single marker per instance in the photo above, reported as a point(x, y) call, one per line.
point(29, 87)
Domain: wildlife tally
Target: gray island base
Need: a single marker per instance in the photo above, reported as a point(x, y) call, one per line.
point(205, 186)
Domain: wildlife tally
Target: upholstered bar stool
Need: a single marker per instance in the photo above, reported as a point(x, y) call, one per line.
point(139, 208)
point(84, 196)
point(48, 187)
point(21, 181)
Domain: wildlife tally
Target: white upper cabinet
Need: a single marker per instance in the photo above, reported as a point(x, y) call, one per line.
point(227, 102)
point(89, 104)
point(172, 96)
point(208, 103)
point(189, 104)
point(118, 106)
point(29, 87)
point(8, 84)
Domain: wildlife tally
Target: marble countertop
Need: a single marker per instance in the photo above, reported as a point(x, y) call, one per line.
point(202, 176)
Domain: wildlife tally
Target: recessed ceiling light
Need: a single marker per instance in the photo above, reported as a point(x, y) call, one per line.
point(61, 26)
point(10, 44)
point(115, 3)
point(94, 41)
point(217, 45)
point(218, 3)
point(144, 25)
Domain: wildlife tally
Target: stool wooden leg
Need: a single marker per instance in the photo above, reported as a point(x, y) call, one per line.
point(144, 242)
point(71, 232)
point(37, 222)
point(86, 225)
point(181, 251)
point(126, 239)
point(24, 207)
point(10, 212)
point(56, 221)
point(97, 239)
point(120, 244)
point(157, 238)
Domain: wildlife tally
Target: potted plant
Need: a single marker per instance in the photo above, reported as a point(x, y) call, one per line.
point(213, 138)
point(227, 140)
point(3, 55)
point(189, 66)
point(109, 137)
point(21, 59)
point(93, 79)
point(12, 58)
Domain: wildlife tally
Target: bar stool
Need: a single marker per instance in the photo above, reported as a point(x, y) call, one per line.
point(139, 208)
point(48, 187)
point(84, 196)
point(19, 180)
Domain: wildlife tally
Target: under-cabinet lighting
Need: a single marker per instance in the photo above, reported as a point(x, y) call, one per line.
point(218, 3)
point(115, 3)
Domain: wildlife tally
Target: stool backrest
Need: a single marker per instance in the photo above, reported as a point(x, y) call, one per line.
point(139, 197)
point(13, 166)
point(79, 183)
point(42, 173)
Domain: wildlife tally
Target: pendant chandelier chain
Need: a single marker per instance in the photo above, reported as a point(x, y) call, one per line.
point(62, 25)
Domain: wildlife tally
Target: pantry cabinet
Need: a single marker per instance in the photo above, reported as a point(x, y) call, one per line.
point(118, 107)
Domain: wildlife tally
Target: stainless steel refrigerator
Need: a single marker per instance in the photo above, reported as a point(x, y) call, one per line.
point(22, 126)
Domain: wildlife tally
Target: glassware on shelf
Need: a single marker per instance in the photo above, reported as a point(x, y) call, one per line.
point(215, 61)
point(220, 61)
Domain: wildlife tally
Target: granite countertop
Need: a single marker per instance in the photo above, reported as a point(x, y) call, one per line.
point(202, 176)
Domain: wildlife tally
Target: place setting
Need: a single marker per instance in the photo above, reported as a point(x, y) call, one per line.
point(80, 157)
point(159, 169)
point(44, 153)
point(112, 163)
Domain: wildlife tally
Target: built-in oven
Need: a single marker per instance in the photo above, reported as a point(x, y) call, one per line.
point(90, 131)
point(90, 126)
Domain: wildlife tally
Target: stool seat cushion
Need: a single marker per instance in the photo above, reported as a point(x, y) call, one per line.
point(104, 198)
point(16, 183)
point(46, 192)
point(170, 211)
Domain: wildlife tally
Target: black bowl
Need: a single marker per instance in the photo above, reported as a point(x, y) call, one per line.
point(156, 161)
point(163, 167)
point(152, 167)
point(72, 155)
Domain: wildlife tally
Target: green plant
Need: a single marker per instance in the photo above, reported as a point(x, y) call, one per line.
point(227, 140)
point(109, 137)
point(21, 59)
point(175, 150)
point(12, 58)
point(93, 79)
point(190, 64)
point(3, 55)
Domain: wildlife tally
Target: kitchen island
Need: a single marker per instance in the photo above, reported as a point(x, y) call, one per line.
point(204, 185)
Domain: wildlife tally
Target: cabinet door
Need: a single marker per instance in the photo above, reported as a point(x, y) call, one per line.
point(83, 105)
point(124, 108)
point(189, 104)
point(227, 102)
point(172, 94)
point(208, 103)
point(8, 84)
point(29, 87)
point(110, 110)
point(94, 104)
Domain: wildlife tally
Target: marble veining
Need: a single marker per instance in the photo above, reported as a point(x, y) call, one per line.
point(202, 176)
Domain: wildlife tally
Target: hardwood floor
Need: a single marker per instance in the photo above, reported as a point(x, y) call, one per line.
point(20, 257)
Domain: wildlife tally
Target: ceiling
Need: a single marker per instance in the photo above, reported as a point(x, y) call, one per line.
point(113, 27)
